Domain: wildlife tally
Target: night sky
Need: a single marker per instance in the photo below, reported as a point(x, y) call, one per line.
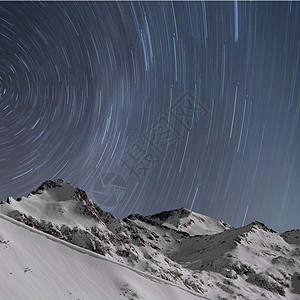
point(151, 106)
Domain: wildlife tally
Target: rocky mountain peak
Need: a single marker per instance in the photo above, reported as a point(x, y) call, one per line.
point(179, 213)
point(51, 184)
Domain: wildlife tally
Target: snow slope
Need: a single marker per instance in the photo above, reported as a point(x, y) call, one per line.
point(37, 266)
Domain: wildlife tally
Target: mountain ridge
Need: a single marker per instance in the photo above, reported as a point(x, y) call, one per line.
point(191, 250)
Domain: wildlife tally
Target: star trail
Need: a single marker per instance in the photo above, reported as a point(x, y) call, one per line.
point(151, 106)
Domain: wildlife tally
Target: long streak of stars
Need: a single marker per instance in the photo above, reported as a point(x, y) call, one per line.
point(151, 106)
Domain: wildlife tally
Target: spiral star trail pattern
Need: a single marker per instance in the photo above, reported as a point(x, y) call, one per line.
point(192, 104)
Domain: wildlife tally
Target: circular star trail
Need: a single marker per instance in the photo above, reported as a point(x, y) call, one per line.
point(151, 106)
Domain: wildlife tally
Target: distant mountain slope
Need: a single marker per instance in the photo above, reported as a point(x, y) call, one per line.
point(193, 251)
point(185, 220)
point(34, 266)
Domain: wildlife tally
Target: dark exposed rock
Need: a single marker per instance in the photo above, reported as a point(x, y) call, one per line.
point(164, 215)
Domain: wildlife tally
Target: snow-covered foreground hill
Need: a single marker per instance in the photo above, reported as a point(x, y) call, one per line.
point(195, 252)
point(36, 266)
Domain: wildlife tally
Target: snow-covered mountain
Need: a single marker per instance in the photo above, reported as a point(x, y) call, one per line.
point(192, 251)
point(37, 266)
point(187, 221)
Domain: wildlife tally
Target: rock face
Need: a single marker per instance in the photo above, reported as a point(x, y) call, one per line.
point(189, 249)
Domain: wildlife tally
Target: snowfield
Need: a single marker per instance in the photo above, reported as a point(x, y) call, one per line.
point(58, 244)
